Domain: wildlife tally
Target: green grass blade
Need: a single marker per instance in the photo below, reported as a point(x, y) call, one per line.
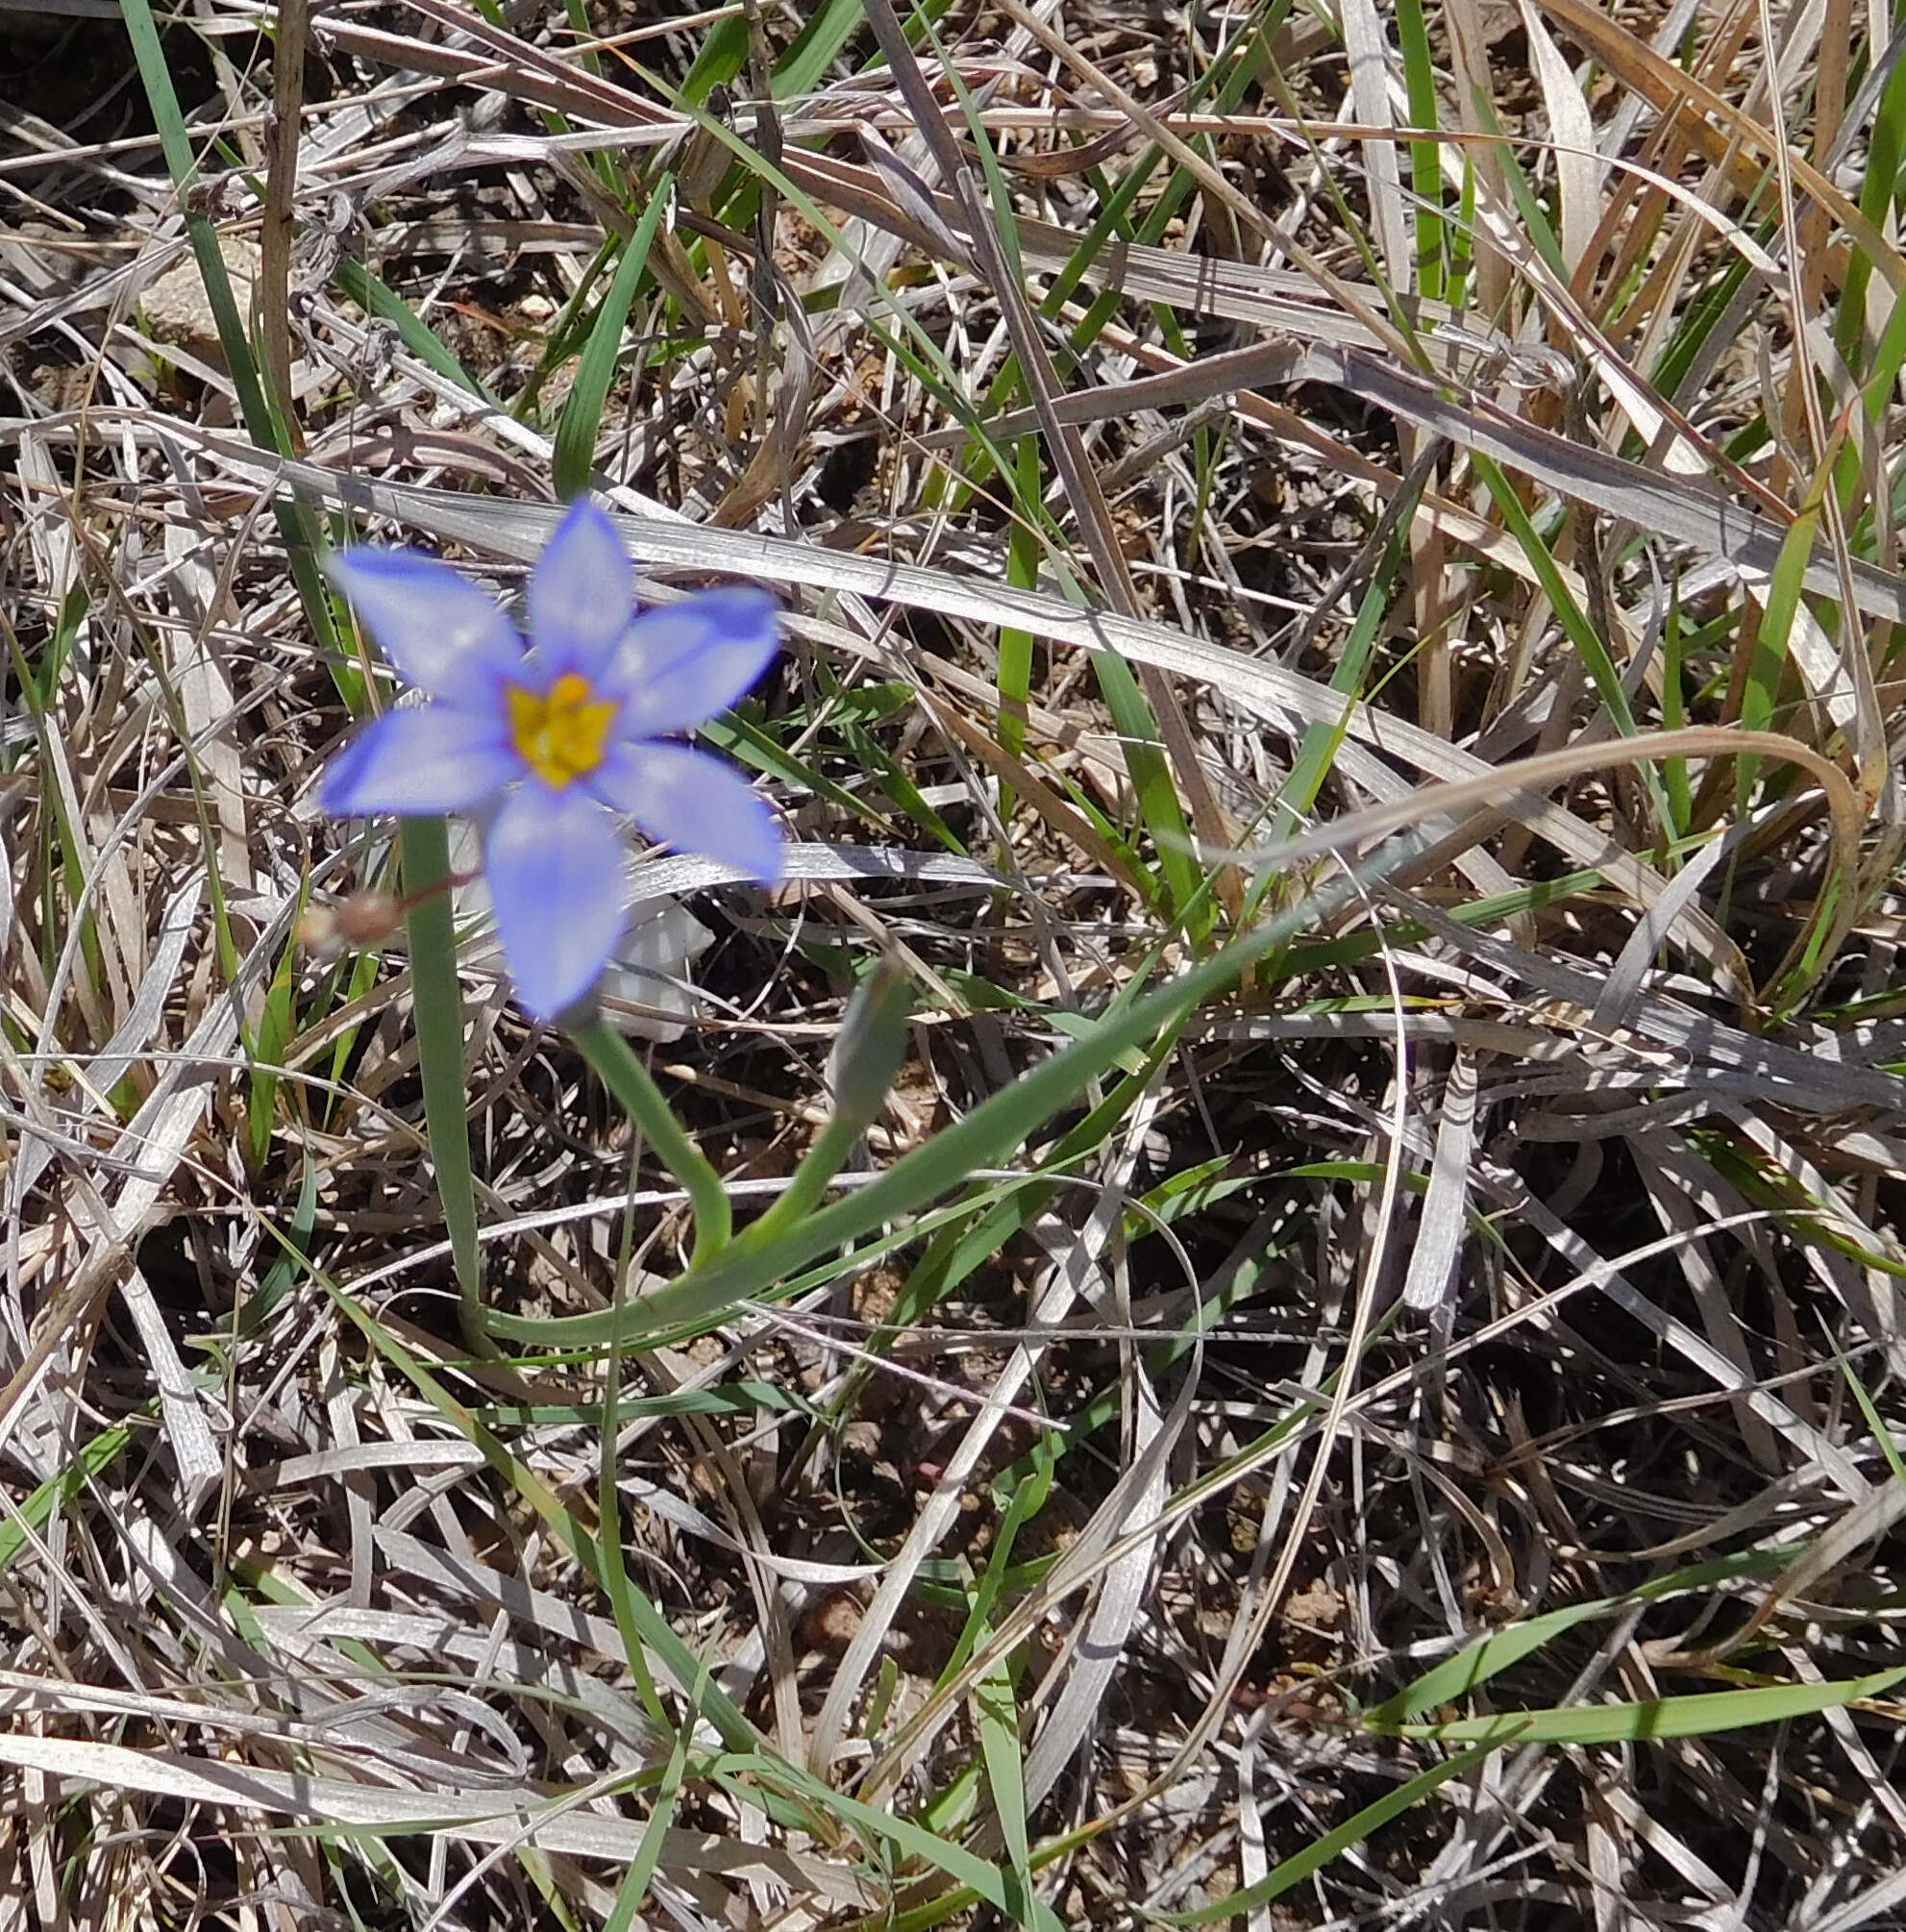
point(1459, 1676)
point(866, 1061)
point(1768, 660)
point(251, 1312)
point(1879, 188)
point(1701, 1715)
point(999, 1746)
point(1015, 670)
point(830, 27)
point(423, 341)
point(635, 1887)
point(914, 1841)
point(263, 423)
point(629, 1080)
point(425, 846)
point(274, 1027)
point(1425, 157)
point(719, 63)
point(1294, 1870)
point(32, 1512)
point(1151, 781)
point(988, 1135)
point(174, 144)
point(1588, 643)
point(583, 413)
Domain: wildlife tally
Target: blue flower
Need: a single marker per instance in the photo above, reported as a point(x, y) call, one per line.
point(543, 743)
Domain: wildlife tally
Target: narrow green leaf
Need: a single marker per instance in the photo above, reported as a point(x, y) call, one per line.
point(635, 1883)
point(1767, 661)
point(583, 413)
point(1692, 1717)
point(915, 1841)
point(425, 846)
point(1151, 781)
point(830, 27)
point(1005, 1778)
point(629, 1080)
point(1588, 644)
point(865, 1062)
point(274, 1027)
point(1294, 1870)
point(61, 1488)
point(250, 1312)
point(1015, 671)
point(1425, 157)
point(1460, 1675)
point(723, 54)
point(989, 1134)
point(296, 525)
point(375, 297)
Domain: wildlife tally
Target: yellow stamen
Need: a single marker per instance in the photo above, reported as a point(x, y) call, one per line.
point(564, 735)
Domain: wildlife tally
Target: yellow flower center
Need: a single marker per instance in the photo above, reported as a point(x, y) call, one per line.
point(563, 733)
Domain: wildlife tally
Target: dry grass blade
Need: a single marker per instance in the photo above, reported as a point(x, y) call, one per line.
point(557, 1822)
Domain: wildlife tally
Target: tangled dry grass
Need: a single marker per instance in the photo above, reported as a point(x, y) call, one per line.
point(1394, 1427)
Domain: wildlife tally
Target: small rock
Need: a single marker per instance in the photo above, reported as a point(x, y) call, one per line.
point(177, 309)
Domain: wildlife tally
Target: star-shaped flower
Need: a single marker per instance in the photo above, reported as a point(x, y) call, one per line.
point(543, 743)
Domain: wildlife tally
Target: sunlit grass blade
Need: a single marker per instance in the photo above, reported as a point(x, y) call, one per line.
point(741, 739)
point(1460, 1675)
point(439, 1011)
point(664, 1802)
point(826, 30)
point(583, 413)
point(1702, 1714)
point(911, 1840)
point(865, 1063)
point(1879, 188)
point(252, 1312)
point(998, 1715)
point(273, 1033)
point(1588, 645)
point(263, 423)
point(31, 1514)
point(642, 1100)
point(1295, 1870)
point(987, 1135)
point(1425, 157)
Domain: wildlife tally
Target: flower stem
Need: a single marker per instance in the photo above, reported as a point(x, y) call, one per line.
point(439, 1022)
point(630, 1081)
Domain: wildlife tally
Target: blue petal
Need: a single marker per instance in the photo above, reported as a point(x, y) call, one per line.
point(430, 758)
point(582, 594)
point(677, 666)
point(440, 631)
point(694, 802)
point(554, 863)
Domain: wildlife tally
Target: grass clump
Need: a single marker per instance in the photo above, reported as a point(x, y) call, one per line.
point(1268, 1288)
